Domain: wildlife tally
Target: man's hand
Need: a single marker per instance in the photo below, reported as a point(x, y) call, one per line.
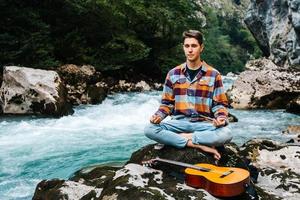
point(155, 119)
point(220, 121)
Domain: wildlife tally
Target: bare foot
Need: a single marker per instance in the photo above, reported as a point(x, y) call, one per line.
point(212, 150)
point(204, 148)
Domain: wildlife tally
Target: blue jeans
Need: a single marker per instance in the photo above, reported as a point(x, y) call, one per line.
point(202, 133)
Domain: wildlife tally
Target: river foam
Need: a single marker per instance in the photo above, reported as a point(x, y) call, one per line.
point(33, 149)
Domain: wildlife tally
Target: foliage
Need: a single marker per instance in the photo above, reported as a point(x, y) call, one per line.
point(228, 43)
point(141, 36)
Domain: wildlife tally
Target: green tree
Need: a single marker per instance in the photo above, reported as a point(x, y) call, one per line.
point(119, 37)
point(228, 44)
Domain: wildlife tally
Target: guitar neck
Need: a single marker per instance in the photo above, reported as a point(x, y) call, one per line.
point(182, 164)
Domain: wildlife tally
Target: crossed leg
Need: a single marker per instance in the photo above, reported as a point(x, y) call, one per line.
point(177, 133)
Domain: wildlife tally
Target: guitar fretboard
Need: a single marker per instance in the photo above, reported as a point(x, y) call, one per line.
point(183, 164)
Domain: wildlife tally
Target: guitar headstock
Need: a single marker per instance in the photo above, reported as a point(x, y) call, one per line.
point(150, 163)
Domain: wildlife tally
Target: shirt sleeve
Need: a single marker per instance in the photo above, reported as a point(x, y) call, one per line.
point(220, 102)
point(168, 99)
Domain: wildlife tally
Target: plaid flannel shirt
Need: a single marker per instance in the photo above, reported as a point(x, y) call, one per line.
point(203, 95)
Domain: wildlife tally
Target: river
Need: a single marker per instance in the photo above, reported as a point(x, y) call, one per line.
point(34, 148)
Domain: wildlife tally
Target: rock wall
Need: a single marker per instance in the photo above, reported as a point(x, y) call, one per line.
point(275, 24)
point(272, 82)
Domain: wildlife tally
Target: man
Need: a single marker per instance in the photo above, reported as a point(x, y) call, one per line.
point(194, 95)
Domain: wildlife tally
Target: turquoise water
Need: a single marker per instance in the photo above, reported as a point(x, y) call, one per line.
point(33, 149)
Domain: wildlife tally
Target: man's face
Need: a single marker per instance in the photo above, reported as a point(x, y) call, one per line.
point(192, 49)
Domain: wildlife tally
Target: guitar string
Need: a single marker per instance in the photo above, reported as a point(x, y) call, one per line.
point(192, 166)
point(212, 170)
point(177, 163)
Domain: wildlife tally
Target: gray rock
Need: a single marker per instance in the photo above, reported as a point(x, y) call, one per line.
point(134, 181)
point(277, 165)
point(294, 106)
point(264, 85)
point(292, 129)
point(33, 91)
point(140, 86)
point(84, 84)
point(276, 27)
point(60, 189)
point(294, 133)
point(274, 169)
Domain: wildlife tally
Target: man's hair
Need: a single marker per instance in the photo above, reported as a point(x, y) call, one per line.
point(193, 34)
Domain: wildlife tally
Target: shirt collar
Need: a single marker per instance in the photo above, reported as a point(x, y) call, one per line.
point(203, 67)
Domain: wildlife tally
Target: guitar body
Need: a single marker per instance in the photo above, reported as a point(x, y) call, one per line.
point(219, 181)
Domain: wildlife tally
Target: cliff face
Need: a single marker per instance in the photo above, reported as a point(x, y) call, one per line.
point(275, 24)
point(224, 8)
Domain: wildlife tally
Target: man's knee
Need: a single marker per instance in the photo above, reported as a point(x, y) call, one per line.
point(225, 134)
point(151, 130)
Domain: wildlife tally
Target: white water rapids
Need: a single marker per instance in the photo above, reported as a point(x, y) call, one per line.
point(33, 149)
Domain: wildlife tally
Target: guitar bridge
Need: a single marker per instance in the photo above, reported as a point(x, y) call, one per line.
point(226, 173)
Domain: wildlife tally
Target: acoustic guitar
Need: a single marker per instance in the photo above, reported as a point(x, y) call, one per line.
point(218, 181)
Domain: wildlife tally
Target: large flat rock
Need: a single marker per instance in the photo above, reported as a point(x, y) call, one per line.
point(32, 91)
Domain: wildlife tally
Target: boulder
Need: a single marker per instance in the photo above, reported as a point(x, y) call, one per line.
point(273, 166)
point(33, 91)
point(276, 27)
point(277, 166)
point(84, 84)
point(293, 131)
point(141, 86)
point(135, 181)
point(264, 85)
point(294, 106)
point(73, 74)
point(61, 189)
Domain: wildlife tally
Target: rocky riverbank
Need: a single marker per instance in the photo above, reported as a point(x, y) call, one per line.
point(47, 92)
point(273, 166)
point(85, 85)
point(33, 91)
point(266, 85)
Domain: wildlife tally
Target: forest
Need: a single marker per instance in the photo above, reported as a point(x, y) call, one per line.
point(121, 37)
